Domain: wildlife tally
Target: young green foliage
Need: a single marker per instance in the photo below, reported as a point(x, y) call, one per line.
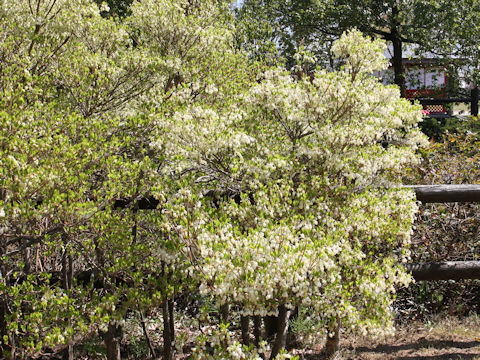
point(266, 185)
point(297, 168)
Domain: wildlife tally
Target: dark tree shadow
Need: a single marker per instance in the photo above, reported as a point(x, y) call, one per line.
point(450, 348)
point(449, 356)
point(420, 343)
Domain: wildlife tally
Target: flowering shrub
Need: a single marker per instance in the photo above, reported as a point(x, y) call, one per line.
point(304, 159)
point(265, 187)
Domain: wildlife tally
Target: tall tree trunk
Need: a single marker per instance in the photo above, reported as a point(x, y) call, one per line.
point(397, 61)
point(281, 338)
point(271, 326)
point(474, 101)
point(399, 76)
point(224, 312)
point(171, 315)
point(257, 329)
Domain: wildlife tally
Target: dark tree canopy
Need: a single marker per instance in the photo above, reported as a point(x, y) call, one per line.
point(431, 26)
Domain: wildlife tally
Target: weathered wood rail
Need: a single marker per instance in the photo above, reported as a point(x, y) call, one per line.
point(425, 193)
point(448, 270)
point(446, 193)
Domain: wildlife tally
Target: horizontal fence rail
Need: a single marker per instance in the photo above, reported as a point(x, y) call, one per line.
point(448, 270)
point(424, 193)
point(446, 193)
point(442, 101)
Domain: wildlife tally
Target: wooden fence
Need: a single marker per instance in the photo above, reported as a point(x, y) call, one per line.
point(449, 270)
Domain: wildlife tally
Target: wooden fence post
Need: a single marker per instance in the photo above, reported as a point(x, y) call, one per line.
point(474, 101)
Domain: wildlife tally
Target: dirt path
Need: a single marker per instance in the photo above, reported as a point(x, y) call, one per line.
point(439, 339)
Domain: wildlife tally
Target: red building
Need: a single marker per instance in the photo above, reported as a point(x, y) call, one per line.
point(425, 79)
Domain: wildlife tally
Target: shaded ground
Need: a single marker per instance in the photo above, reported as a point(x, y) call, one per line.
point(422, 348)
point(440, 339)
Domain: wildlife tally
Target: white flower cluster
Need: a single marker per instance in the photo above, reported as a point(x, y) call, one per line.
point(361, 55)
point(306, 157)
point(181, 35)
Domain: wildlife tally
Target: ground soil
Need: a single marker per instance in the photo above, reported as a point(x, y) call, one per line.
point(442, 337)
point(437, 339)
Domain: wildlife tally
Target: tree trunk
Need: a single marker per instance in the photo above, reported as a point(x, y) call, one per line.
point(147, 337)
point(167, 334)
point(397, 61)
point(13, 348)
point(281, 338)
point(26, 261)
point(245, 325)
point(171, 315)
point(64, 271)
point(70, 272)
point(112, 339)
point(7, 340)
point(333, 339)
point(271, 326)
point(474, 101)
point(224, 313)
point(3, 323)
point(69, 355)
point(257, 330)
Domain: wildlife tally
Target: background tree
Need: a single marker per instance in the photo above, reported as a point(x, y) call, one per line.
point(120, 8)
point(429, 26)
